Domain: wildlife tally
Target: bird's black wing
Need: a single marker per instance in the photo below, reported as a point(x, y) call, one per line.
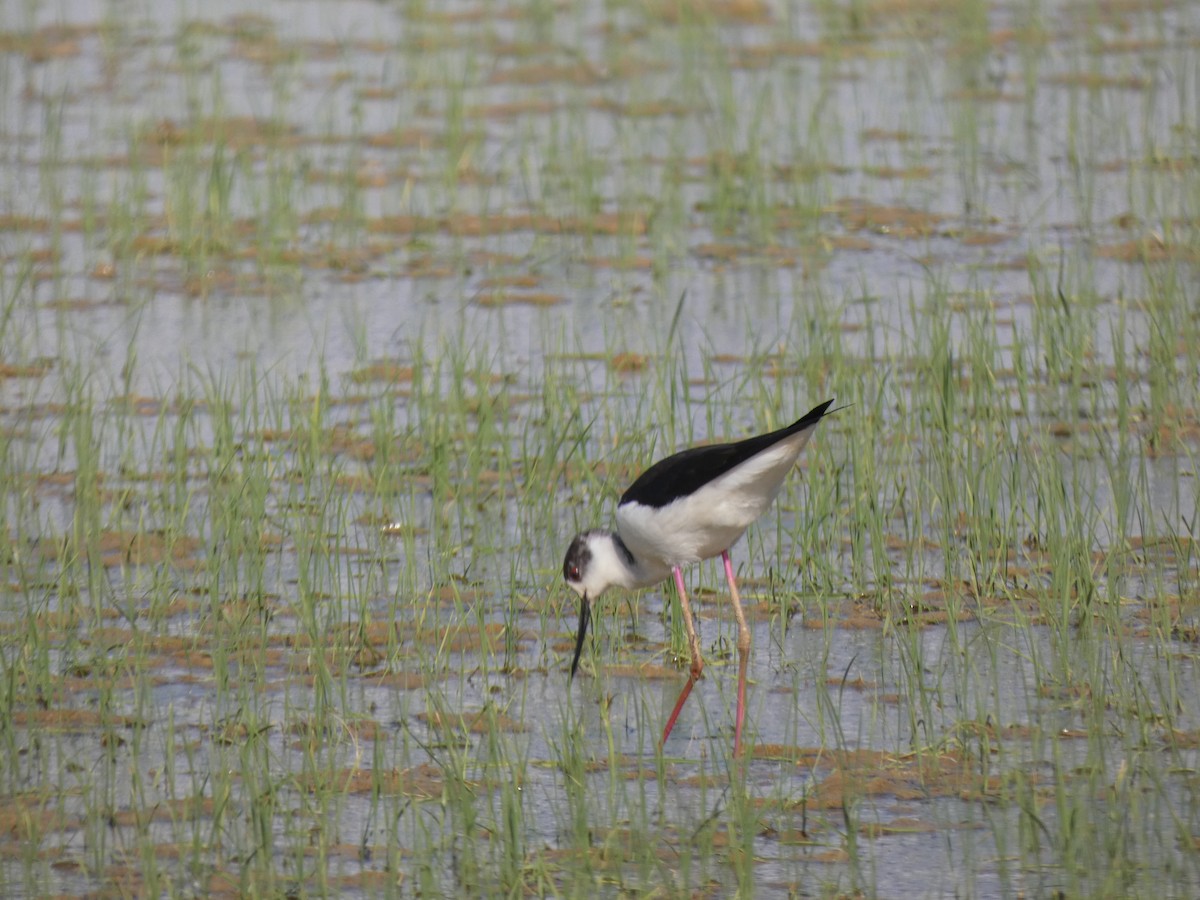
point(689, 470)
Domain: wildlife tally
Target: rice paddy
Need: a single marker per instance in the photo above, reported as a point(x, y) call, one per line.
point(322, 330)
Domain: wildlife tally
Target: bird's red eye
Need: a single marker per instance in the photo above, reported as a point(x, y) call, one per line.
point(573, 575)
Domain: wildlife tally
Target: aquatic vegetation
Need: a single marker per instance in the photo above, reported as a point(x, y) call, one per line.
point(323, 329)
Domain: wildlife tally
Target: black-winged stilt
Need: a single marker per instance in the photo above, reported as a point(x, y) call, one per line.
point(691, 506)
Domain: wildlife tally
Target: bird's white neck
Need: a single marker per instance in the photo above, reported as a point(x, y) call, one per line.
point(613, 564)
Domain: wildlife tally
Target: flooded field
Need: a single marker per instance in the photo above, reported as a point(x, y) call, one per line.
point(323, 329)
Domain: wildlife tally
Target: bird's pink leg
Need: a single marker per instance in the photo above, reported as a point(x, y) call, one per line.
point(743, 645)
point(694, 644)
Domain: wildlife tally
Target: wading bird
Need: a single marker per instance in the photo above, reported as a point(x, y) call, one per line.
point(691, 506)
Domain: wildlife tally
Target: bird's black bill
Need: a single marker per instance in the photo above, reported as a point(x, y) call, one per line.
point(585, 614)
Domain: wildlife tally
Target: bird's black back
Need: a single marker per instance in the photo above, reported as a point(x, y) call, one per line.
point(689, 470)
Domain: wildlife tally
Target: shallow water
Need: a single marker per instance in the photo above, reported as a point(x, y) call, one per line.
point(273, 282)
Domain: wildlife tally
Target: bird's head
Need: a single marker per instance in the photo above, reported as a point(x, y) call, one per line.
point(590, 568)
